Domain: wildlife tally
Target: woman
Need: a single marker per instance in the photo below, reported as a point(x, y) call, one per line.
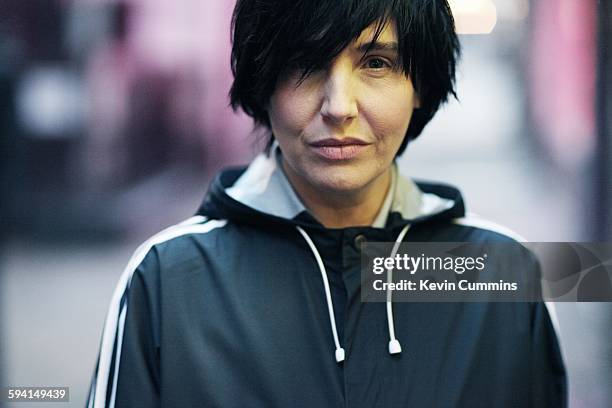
point(255, 301)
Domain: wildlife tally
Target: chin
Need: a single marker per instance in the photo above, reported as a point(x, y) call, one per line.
point(338, 183)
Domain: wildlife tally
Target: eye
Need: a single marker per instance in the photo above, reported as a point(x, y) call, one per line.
point(377, 63)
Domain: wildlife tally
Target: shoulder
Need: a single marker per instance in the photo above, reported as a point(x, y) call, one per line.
point(187, 237)
point(505, 244)
point(171, 245)
point(482, 228)
point(496, 232)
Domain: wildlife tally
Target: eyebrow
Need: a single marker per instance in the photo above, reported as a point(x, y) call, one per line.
point(377, 46)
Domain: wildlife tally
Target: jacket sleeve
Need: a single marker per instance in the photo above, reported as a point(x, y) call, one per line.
point(549, 379)
point(127, 371)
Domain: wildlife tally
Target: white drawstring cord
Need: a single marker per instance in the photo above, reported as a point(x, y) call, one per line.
point(394, 345)
point(330, 307)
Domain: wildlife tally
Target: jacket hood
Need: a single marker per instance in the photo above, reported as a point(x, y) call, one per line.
point(261, 194)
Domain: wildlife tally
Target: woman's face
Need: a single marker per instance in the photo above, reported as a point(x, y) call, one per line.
point(340, 129)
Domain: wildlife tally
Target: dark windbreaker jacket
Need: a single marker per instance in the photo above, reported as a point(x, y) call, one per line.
point(229, 309)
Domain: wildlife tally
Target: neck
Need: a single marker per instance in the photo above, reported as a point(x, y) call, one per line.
point(342, 209)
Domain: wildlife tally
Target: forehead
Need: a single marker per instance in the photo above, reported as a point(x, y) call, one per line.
point(386, 34)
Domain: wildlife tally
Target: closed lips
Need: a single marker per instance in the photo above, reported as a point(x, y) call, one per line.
point(339, 149)
point(338, 142)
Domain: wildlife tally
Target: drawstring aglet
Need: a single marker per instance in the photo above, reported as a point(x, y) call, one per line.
point(395, 347)
point(339, 355)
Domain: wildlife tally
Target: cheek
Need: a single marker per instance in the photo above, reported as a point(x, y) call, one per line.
point(389, 114)
point(291, 110)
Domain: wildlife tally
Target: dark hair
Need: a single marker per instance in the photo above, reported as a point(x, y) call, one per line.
point(270, 35)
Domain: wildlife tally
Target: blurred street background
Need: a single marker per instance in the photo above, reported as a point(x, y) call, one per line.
point(114, 118)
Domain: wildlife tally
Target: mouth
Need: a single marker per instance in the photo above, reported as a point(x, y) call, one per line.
point(333, 142)
point(339, 149)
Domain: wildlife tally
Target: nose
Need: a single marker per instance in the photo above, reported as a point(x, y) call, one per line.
point(339, 105)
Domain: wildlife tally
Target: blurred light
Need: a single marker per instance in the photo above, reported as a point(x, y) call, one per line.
point(474, 16)
point(50, 102)
point(512, 10)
